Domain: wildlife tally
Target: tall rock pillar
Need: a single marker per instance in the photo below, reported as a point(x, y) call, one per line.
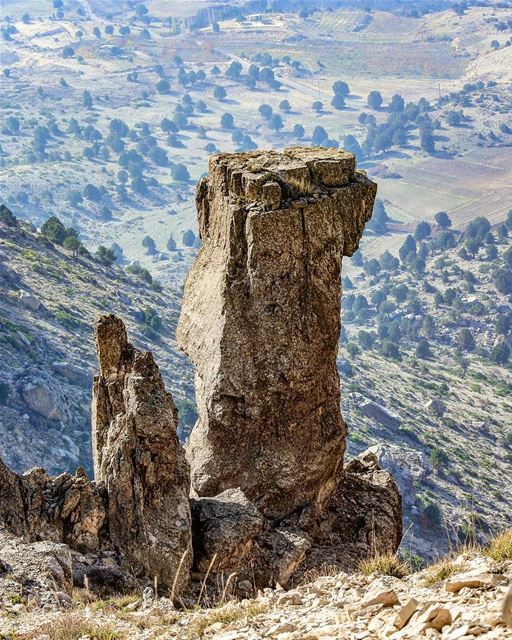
point(261, 323)
point(139, 459)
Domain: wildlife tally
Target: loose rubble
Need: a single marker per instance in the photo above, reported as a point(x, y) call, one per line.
point(355, 607)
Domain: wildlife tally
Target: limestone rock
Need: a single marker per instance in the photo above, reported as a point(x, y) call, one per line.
point(473, 580)
point(261, 321)
point(139, 459)
point(73, 373)
point(30, 301)
point(404, 614)
point(39, 570)
point(67, 508)
point(224, 527)
point(380, 414)
point(361, 519)
point(507, 608)
point(12, 514)
point(42, 395)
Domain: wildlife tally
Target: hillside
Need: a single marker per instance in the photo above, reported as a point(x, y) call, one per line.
point(109, 114)
point(428, 340)
point(417, 365)
point(49, 301)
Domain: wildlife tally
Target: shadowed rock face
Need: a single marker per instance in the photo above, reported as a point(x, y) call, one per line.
point(261, 322)
point(139, 459)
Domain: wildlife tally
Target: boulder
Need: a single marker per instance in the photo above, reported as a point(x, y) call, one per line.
point(507, 608)
point(41, 395)
point(138, 457)
point(73, 373)
point(407, 466)
point(436, 406)
point(362, 518)
point(30, 301)
point(261, 320)
point(473, 580)
point(380, 414)
point(39, 571)
point(225, 528)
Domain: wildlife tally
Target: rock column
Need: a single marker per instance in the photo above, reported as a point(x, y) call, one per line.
point(139, 459)
point(261, 323)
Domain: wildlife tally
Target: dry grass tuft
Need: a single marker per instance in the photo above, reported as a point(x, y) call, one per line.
point(441, 571)
point(500, 547)
point(73, 627)
point(385, 565)
point(228, 614)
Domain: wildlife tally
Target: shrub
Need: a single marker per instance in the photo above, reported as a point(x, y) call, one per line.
point(227, 121)
point(374, 99)
point(7, 216)
point(390, 350)
point(4, 392)
point(438, 457)
point(443, 220)
point(188, 238)
point(149, 244)
point(136, 270)
point(384, 565)
point(441, 571)
point(423, 350)
point(500, 547)
point(105, 256)
point(219, 93)
point(432, 513)
point(500, 353)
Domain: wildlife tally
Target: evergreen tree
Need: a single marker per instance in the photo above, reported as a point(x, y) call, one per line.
point(375, 99)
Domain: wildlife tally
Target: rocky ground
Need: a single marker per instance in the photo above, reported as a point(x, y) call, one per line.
point(457, 599)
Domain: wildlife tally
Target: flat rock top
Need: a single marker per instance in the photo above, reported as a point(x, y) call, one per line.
point(299, 170)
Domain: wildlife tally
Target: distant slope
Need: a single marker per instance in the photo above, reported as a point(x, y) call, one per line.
point(423, 346)
point(49, 301)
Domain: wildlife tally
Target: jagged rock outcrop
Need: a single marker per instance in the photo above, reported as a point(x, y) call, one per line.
point(36, 571)
point(261, 322)
point(139, 459)
point(69, 509)
point(361, 519)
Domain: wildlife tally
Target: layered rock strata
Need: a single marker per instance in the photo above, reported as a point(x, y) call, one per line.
point(140, 461)
point(261, 323)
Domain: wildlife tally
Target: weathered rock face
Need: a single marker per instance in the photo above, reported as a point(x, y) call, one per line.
point(261, 322)
point(41, 571)
point(225, 528)
point(139, 459)
point(363, 518)
point(66, 508)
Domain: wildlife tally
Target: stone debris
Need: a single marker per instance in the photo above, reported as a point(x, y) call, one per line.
point(331, 607)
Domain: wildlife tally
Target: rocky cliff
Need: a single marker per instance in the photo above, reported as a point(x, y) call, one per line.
point(271, 498)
